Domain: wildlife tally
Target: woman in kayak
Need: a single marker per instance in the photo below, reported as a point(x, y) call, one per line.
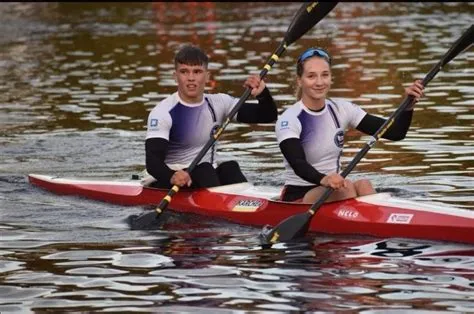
point(311, 133)
point(181, 124)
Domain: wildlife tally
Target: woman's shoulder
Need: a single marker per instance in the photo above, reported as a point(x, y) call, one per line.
point(346, 108)
point(337, 101)
point(293, 109)
point(343, 104)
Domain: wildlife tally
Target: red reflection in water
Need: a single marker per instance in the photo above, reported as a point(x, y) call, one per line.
point(172, 13)
point(168, 14)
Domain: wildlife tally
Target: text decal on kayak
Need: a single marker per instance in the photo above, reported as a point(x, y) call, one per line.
point(246, 206)
point(400, 218)
point(347, 213)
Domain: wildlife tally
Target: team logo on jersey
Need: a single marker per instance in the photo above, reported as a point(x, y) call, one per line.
point(154, 123)
point(284, 125)
point(214, 129)
point(339, 138)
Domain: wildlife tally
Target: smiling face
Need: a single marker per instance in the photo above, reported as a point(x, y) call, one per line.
point(191, 81)
point(315, 82)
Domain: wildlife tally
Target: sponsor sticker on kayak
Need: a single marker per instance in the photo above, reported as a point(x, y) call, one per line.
point(348, 213)
point(399, 218)
point(246, 206)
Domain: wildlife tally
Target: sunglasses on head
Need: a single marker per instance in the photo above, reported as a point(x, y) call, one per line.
point(311, 52)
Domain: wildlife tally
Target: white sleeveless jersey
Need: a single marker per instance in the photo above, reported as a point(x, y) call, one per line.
point(188, 127)
point(321, 134)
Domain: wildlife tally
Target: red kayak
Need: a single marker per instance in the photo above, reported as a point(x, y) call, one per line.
point(379, 215)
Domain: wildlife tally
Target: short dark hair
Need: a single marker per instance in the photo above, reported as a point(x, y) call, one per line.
point(191, 55)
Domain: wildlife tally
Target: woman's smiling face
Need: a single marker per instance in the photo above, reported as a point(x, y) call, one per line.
point(316, 79)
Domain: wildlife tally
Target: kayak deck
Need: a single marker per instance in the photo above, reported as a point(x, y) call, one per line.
point(379, 215)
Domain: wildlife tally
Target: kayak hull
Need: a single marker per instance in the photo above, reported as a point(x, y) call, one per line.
point(379, 215)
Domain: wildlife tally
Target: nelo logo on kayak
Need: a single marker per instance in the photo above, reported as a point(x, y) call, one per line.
point(400, 218)
point(247, 205)
point(348, 213)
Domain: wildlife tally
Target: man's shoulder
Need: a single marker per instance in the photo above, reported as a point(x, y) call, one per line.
point(169, 101)
point(219, 98)
point(164, 106)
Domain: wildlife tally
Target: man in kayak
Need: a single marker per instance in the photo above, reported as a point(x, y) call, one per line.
point(181, 124)
point(311, 132)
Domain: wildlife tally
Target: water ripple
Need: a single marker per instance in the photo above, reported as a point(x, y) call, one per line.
point(77, 82)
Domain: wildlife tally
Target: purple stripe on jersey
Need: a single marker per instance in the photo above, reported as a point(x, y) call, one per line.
point(306, 127)
point(310, 128)
point(186, 123)
point(334, 117)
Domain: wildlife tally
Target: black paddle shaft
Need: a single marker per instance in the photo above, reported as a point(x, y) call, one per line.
point(235, 109)
point(307, 16)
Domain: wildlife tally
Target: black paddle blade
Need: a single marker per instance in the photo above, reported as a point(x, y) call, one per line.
point(292, 227)
point(151, 220)
point(144, 221)
point(307, 16)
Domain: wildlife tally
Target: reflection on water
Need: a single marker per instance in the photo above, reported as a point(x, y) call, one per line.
point(327, 275)
point(77, 81)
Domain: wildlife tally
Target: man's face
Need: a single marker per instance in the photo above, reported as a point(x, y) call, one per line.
point(191, 81)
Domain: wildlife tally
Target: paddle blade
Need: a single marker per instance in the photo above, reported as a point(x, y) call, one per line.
point(150, 220)
point(144, 221)
point(289, 229)
point(307, 16)
point(460, 45)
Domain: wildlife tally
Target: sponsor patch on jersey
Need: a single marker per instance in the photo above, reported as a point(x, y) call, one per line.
point(214, 129)
point(247, 206)
point(154, 123)
point(284, 125)
point(399, 218)
point(339, 138)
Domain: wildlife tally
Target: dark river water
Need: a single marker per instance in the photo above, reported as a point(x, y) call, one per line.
point(77, 81)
